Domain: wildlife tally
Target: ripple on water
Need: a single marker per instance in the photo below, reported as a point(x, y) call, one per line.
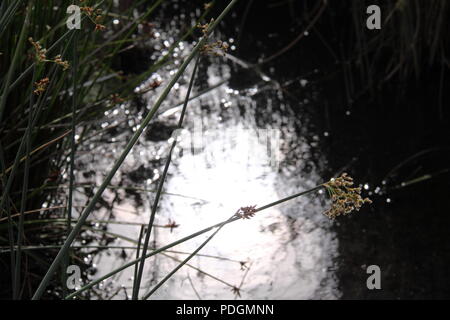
point(289, 249)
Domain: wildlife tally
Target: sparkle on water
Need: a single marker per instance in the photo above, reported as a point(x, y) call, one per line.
point(289, 249)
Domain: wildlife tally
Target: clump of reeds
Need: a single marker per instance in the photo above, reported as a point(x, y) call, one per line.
point(413, 39)
point(52, 87)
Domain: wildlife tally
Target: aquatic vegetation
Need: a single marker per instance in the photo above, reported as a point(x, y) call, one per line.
point(49, 106)
point(41, 85)
point(346, 198)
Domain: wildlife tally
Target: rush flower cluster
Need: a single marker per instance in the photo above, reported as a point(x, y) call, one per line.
point(95, 16)
point(345, 198)
point(41, 55)
point(41, 85)
point(246, 212)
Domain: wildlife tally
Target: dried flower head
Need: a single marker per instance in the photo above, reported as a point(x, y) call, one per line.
point(115, 99)
point(95, 16)
point(345, 198)
point(63, 63)
point(246, 212)
point(99, 27)
point(171, 225)
point(243, 265)
point(40, 52)
point(154, 84)
point(236, 291)
point(204, 27)
point(41, 55)
point(41, 85)
point(217, 48)
point(88, 10)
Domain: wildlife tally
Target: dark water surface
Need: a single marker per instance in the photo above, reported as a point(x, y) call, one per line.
point(395, 141)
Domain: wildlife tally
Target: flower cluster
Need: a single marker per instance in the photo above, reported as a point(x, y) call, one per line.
point(217, 48)
point(40, 52)
point(171, 225)
point(115, 99)
point(41, 55)
point(95, 16)
point(41, 85)
point(246, 212)
point(204, 27)
point(61, 62)
point(345, 198)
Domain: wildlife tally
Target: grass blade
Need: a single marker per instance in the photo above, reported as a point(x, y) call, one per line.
point(120, 160)
point(189, 237)
point(167, 277)
point(160, 186)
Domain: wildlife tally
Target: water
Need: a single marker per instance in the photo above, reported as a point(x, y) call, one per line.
point(242, 144)
point(220, 164)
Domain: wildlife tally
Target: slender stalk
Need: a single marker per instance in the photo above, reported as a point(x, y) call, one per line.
point(9, 218)
point(17, 159)
point(138, 250)
point(43, 146)
point(193, 287)
point(50, 49)
point(76, 229)
point(160, 186)
point(24, 193)
point(72, 151)
point(189, 237)
point(7, 15)
point(102, 247)
point(178, 267)
point(14, 62)
point(4, 97)
point(72, 140)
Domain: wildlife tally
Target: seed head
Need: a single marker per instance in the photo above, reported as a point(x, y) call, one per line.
point(88, 10)
point(345, 198)
point(115, 99)
point(99, 27)
point(40, 52)
point(41, 85)
point(217, 48)
point(236, 291)
point(59, 61)
point(204, 27)
point(246, 212)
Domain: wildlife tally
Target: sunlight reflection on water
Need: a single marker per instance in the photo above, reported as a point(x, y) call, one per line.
point(289, 249)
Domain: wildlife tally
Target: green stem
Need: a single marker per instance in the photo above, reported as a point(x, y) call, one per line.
point(58, 259)
point(178, 267)
point(160, 186)
point(24, 192)
point(194, 235)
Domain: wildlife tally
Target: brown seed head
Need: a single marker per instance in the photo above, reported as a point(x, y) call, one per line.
point(345, 198)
